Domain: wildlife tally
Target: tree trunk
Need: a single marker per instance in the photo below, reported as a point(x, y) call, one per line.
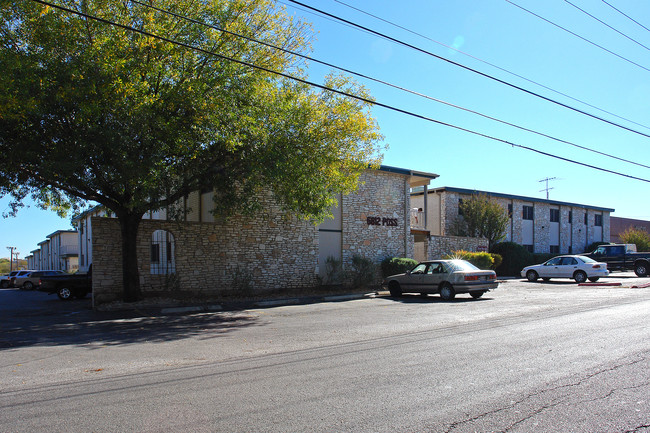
point(129, 224)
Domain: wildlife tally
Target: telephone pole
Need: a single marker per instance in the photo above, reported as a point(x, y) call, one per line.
point(547, 189)
point(11, 257)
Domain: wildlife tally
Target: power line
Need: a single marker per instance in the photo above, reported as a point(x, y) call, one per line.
point(483, 61)
point(607, 25)
point(323, 87)
point(473, 70)
point(578, 36)
point(383, 82)
point(625, 15)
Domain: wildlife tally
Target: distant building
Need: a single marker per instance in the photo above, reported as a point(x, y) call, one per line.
point(542, 226)
point(619, 225)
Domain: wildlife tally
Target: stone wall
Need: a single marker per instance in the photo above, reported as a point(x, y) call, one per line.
point(438, 246)
point(261, 253)
point(376, 219)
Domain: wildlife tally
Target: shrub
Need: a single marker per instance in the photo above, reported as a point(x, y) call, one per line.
point(480, 260)
point(396, 265)
point(333, 271)
point(515, 258)
point(542, 257)
point(636, 236)
point(362, 273)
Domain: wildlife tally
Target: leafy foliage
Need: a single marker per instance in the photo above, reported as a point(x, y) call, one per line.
point(96, 113)
point(636, 236)
point(362, 272)
point(481, 217)
point(396, 265)
point(481, 260)
point(515, 258)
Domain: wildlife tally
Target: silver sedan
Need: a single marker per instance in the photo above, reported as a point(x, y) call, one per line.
point(446, 277)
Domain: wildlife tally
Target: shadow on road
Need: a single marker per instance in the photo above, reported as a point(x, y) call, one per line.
point(50, 322)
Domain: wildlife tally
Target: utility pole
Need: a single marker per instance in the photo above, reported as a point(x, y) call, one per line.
point(11, 258)
point(547, 188)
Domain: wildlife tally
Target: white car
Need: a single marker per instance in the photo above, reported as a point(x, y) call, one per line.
point(579, 268)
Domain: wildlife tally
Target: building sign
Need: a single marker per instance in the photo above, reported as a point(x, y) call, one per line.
point(379, 221)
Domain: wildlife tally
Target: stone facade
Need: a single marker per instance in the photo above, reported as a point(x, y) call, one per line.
point(384, 198)
point(439, 246)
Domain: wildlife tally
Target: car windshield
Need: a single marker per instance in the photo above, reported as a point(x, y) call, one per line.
point(461, 265)
point(587, 259)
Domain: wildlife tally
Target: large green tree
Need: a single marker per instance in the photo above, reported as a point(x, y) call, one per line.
point(97, 107)
point(482, 217)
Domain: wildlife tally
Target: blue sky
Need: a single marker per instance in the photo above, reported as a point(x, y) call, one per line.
point(504, 35)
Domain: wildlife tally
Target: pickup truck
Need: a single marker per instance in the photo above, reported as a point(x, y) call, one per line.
point(620, 257)
point(67, 286)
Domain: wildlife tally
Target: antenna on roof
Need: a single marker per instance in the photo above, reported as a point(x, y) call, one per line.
point(547, 189)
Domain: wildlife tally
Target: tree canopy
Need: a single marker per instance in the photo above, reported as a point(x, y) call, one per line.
point(124, 105)
point(481, 217)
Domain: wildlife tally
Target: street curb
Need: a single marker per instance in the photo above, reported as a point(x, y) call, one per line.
point(601, 284)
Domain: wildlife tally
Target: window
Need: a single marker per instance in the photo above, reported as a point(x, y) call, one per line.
point(555, 215)
point(555, 249)
point(510, 210)
point(570, 217)
point(527, 213)
point(586, 220)
point(162, 253)
point(598, 220)
point(529, 248)
point(460, 206)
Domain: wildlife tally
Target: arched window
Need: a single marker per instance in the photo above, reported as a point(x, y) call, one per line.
point(162, 253)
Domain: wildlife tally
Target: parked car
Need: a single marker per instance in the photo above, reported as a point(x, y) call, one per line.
point(622, 257)
point(579, 268)
point(67, 286)
point(446, 277)
point(30, 280)
point(10, 282)
point(4, 281)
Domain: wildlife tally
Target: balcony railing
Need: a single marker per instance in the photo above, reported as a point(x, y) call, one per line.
point(417, 219)
point(69, 250)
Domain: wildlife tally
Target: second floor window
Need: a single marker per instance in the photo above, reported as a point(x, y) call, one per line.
point(555, 215)
point(598, 220)
point(527, 213)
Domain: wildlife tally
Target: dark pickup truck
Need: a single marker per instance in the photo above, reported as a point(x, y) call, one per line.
point(620, 257)
point(67, 286)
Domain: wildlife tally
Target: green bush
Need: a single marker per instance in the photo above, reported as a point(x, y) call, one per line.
point(480, 260)
point(333, 271)
point(639, 237)
point(362, 272)
point(542, 257)
point(515, 258)
point(396, 265)
point(497, 260)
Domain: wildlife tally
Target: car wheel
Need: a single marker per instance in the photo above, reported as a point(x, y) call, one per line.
point(64, 294)
point(477, 295)
point(395, 289)
point(641, 270)
point(580, 277)
point(4, 284)
point(447, 292)
point(594, 279)
point(28, 285)
point(532, 276)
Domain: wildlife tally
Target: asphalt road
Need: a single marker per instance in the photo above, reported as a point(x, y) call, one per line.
point(547, 357)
